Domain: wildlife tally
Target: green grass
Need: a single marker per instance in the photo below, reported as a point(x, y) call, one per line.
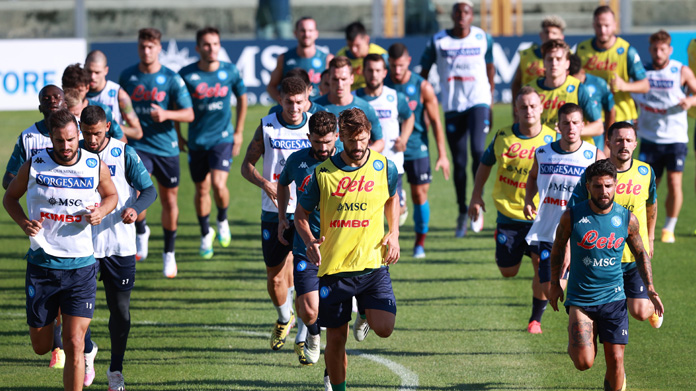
point(460, 325)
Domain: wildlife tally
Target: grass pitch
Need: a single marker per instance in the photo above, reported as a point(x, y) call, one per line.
point(460, 325)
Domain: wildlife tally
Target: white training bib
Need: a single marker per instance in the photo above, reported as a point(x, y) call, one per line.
point(387, 108)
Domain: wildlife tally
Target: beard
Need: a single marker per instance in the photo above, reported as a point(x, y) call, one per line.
point(603, 205)
point(356, 154)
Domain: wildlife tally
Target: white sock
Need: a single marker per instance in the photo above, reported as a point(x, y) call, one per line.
point(284, 311)
point(301, 331)
point(670, 223)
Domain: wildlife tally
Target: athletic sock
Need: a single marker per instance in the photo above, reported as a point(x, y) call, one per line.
point(204, 222)
point(301, 331)
point(169, 240)
point(338, 387)
point(670, 223)
point(222, 214)
point(420, 239)
point(421, 217)
point(313, 329)
point(88, 341)
point(141, 226)
point(538, 308)
point(57, 340)
point(284, 311)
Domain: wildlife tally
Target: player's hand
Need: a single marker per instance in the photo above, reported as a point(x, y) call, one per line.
point(271, 189)
point(33, 227)
point(655, 298)
point(283, 224)
point(238, 138)
point(391, 240)
point(399, 145)
point(617, 84)
point(183, 144)
point(530, 211)
point(94, 216)
point(475, 208)
point(128, 216)
point(157, 113)
point(443, 162)
point(684, 104)
point(313, 253)
point(555, 294)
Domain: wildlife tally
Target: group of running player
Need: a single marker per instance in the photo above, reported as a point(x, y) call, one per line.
point(334, 151)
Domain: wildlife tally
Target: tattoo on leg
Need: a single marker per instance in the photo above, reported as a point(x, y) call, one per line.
point(581, 334)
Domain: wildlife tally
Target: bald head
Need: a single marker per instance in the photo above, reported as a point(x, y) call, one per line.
point(96, 65)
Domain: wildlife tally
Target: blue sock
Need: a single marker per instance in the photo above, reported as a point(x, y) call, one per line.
point(169, 240)
point(222, 214)
point(88, 341)
point(57, 340)
point(421, 217)
point(313, 329)
point(538, 308)
point(204, 222)
point(140, 226)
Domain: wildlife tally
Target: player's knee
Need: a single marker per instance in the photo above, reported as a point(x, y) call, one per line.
point(508, 272)
point(383, 331)
point(74, 344)
point(41, 348)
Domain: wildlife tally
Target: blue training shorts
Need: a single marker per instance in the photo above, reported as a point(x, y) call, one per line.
point(304, 274)
point(164, 168)
point(418, 171)
point(201, 163)
point(633, 283)
point(274, 252)
point(373, 291)
point(663, 156)
point(510, 243)
point(611, 320)
point(72, 291)
point(117, 271)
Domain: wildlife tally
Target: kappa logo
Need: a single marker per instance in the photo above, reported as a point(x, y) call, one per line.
point(269, 125)
point(133, 78)
point(195, 77)
point(323, 169)
point(29, 135)
point(584, 220)
point(303, 165)
point(39, 160)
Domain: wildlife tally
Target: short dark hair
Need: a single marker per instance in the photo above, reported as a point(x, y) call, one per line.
point(302, 19)
point(398, 50)
point(322, 123)
point(353, 121)
point(600, 168)
point(620, 125)
point(553, 44)
point(661, 37)
point(575, 64)
point(568, 109)
point(602, 9)
point(374, 57)
point(301, 73)
point(149, 34)
point(74, 76)
point(96, 56)
point(60, 119)
point(92, 115)
point(293, 86)
point(526, 90)
point(205, 31)
point(355, 29)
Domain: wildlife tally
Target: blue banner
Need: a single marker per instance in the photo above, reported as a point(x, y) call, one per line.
point(256, 59)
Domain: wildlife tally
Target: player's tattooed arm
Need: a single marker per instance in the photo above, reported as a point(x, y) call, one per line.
point(254, 152)
point(133, 130)
point(651, 216)
point(558, 250)
point(635, 243)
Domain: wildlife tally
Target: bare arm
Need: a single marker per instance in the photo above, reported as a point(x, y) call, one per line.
point(183, 144)
point(109, 197)
point(159, 114)
point(6, 179)
point(490, 72)
point(638, 87)
point(609, 118)
point(635, 243)
point(254, 152)
point(529, 207)
point(276, 77)
point(432, 110)
point(133, 130)
point(377, 145)
point(242, 104)
point(391, 239)
point(563, 231)
point(406, 131)
point(690, 81)
point(476, 204)
point(595, 128)
point(302, 229)
point(651, 217)
point(10, 201)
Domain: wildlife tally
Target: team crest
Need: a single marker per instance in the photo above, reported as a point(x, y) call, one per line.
point(674, 69)
point(588, 154)
point(620, 50)
point(390, 98)
point(411, 89)
point(112, 93)
point(301, 266)
point(91, 162)
point(502, 238)
point(222, 75)
point(378, 165)
point(570, 88)
point(643, 170)
point(545, 254)
point(31, 291)
point(548, 139)
point(266, 234)
point(479, 36)
point(116, 152)
point(160, 79)
point(324, 292)
point(316, 63)
point(616, 221)
point(590, 89)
